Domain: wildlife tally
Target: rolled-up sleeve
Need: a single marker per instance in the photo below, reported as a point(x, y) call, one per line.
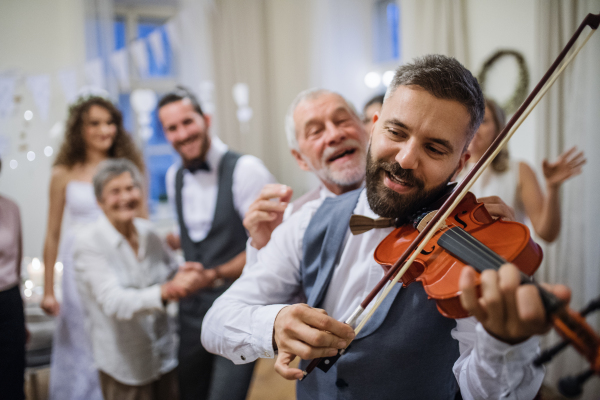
point(491, 369)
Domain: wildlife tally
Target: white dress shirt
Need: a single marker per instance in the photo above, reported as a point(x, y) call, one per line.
point(239, 325)
point(133, 338)
point(200, 189)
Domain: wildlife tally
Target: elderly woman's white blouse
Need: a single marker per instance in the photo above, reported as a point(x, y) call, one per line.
point(133, 338)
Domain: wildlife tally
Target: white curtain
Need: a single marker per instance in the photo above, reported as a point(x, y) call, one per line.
point(240, 54)
point(99, 38)
point(569, 116)
point(434, 27)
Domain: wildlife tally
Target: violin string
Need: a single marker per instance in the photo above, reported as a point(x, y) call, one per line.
point(474, 247)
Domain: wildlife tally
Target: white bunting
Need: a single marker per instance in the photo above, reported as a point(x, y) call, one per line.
point(39, 86)
point(156, 44)
point(7, 93)
point(139, 51)
point(68, 83)
point(173, 35)
point(94, 73)
point(120, 65)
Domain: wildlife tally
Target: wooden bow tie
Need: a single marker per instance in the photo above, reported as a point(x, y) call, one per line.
point(361, 224)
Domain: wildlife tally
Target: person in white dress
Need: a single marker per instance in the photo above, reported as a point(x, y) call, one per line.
point(515, 181)
point(94, 133)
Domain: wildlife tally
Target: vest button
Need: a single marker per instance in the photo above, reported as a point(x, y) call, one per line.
point(243, 358)
point(341, 383)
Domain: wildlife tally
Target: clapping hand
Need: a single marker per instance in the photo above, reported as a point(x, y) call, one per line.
point(264, 215)
point(566, 166)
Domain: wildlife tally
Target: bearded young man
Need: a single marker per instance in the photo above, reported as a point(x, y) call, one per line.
point(408, 350)
point(211, 193)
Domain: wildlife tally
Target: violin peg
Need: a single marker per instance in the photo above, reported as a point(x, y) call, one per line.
point(593, 305)
point(547, 355)
point(572, 386)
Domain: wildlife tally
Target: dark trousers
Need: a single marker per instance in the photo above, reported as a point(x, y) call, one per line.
point(202, 375)
point(12, 345)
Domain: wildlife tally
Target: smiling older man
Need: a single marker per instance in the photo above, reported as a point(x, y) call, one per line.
point(325, 137)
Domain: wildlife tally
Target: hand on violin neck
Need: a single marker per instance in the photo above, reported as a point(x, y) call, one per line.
point(308, 333)
point(509, 311)
point(498, 208)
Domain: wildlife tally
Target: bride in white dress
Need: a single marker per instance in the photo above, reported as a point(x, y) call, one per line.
point(94, 133)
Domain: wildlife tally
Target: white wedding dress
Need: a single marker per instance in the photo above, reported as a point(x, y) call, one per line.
point(72, 372)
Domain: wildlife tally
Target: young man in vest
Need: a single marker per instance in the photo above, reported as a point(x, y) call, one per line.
point(407, 350)
point(211, 193)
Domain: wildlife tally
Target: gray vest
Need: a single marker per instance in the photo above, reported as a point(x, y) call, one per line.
point(225, 240)
point(404, 352)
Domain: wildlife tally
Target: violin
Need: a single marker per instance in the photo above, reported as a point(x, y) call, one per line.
point(457, 244)
point(450, 237)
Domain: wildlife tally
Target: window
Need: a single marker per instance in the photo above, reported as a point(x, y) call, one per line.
point(386, 32)
point(133, 23)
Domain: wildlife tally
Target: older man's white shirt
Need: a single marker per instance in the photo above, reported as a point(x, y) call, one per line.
point(239, 325)
point(134, 339)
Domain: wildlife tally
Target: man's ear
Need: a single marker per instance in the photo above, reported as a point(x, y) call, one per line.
point(207, 119)
point(375, 119)
point(461, 164)
point(301, 163)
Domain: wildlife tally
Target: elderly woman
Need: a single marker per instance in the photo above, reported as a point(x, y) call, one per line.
point(122, 272)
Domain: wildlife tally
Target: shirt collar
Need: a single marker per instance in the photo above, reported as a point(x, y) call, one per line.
point(215, 152)
point(115, 238)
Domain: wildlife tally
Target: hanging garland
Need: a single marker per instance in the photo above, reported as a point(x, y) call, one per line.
point(521, 90)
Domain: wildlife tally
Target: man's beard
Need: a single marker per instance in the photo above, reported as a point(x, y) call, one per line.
point(390, 204)
point(204, 145)
point(344, 177)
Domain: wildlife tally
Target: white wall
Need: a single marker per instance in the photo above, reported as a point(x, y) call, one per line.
point(36, 36)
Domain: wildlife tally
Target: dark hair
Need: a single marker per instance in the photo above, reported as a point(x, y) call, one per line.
point(374, 100)
point(180, 93)
point(444, 78)
point(500, 162)
point(72, 151)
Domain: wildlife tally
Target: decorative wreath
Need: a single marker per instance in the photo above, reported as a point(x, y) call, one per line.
point(521, 90)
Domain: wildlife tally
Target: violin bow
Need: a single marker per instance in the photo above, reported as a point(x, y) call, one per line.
point(404, 262)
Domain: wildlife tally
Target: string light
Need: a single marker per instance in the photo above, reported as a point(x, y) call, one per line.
point(387, 78)
point(372, 79)
point(48, 151)
point(30, 155)
point(28, 115)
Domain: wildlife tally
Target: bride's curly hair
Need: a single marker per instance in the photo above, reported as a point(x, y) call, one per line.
point(73, 151)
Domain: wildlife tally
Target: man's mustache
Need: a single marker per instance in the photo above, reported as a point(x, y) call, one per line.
point(346, 144)
point(406, 175)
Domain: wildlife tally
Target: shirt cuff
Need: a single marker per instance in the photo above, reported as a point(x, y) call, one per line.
point(151, 298)
point(251, 253)
point(496, 351)
point(263, 322)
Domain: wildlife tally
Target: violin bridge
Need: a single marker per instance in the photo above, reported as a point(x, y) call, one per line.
point(425, 220)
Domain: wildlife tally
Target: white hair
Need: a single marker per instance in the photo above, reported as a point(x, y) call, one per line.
point(308, 94)
point(110, 169)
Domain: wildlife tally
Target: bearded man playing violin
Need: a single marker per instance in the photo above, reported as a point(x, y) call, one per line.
point(312, 274)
